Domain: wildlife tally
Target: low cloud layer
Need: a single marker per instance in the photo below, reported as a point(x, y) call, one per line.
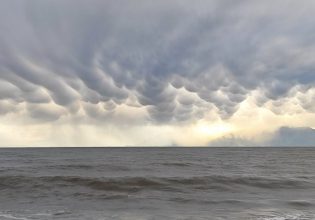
point(155, 62)
point(283, 137)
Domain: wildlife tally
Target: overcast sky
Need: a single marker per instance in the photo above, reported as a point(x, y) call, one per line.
point(154, 73)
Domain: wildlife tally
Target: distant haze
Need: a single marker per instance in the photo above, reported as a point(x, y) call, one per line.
point(157, 73)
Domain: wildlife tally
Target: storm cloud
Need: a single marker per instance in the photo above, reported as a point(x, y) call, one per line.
point(175, 61)
point(282, 137)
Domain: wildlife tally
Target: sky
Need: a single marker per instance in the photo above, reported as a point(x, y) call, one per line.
point(157, 73)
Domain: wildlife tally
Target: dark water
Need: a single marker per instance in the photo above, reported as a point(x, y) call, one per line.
point(157, 183)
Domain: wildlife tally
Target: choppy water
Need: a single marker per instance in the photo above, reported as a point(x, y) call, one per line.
point(157, 183)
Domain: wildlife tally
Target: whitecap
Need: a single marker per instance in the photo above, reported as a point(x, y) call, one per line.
point(10, 217)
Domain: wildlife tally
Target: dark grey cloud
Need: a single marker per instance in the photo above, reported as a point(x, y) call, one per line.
point(283, 137)
point(110, 51)
point(296, 137)
point(234, 141)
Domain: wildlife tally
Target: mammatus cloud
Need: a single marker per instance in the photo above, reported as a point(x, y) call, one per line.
point(155, 63)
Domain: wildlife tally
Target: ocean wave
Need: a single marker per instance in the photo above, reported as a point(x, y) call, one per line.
point(11, 217)
point(176, 164)
point(208, 202)
point(102, 167)
point(133, 184)
point(294, 216)
point(300, 203)
point(207, 182)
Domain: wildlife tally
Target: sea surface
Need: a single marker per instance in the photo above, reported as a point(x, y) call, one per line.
point(157, 183)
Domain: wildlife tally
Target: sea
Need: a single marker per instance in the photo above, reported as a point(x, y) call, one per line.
point(157, 183)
